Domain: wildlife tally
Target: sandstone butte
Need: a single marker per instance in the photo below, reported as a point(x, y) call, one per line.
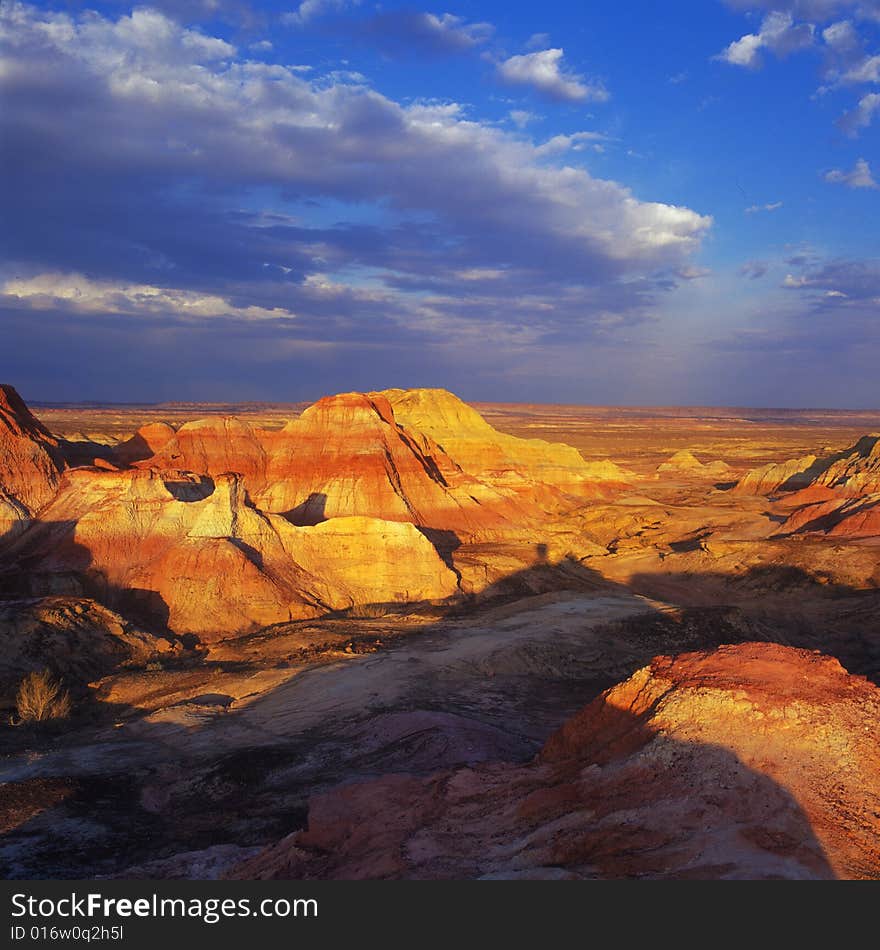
point(219, 529)
point(751, 761)
point(838, 495)
point(462, 432)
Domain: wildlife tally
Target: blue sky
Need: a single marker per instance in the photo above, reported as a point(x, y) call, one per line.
point(613, 203)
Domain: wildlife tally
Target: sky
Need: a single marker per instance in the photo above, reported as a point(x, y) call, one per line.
point(606, 203)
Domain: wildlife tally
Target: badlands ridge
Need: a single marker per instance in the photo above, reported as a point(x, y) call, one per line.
point(380, 639)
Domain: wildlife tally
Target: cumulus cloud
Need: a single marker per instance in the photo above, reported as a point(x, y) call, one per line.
point(841, 30)
point(181, 180)
point(544, 72)
point(858, 177)
point(79, 293)
point(310, 10)
point(779, 33)
point(862, 116)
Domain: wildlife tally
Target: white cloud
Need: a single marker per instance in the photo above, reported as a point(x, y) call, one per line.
point(842, 37)
point(743, 52)
point(310, 10)
point(76, 292)
point(576, 142)
point(521, 118)
point(261, 122)
point(513, 233)
point(773, 206)
point(544, 71)
point(779, 34)
point(866, 71)
point(863, 114)
point(859, 177)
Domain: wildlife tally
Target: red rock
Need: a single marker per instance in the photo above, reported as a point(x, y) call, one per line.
point(348, 456)
point(30, 460)
point(144, 444)
point(751, 761)
point(211, 447)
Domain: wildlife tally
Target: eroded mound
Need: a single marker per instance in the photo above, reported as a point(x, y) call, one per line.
point(752, 761)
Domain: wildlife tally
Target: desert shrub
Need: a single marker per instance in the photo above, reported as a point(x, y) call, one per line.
point(40, 697)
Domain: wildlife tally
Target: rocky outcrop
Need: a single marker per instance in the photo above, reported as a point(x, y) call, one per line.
point(30, 458)
point(210, 447)
point(218, 529)
point(484, 451)
point(857, 470)
point(838, 495)
point(751, 761)
point(686, 463)
point(77, 639)
point(837, 517)
point(368, 561)
point(854, 471)
point(144, 444)
point(348, 455)
point(190, 554)
point(792, 475)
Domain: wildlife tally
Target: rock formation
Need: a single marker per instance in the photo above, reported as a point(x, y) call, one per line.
point(686, 463)
point(30, 459)
point(483, 451)
point(348, 456)
point(144, 444)
point(837, 495)
point(751, 761)
point(77, 639)
point(854, 471)
point(191, 553)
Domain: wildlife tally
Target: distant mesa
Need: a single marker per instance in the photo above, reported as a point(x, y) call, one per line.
point(686, 463)
point(751, 761)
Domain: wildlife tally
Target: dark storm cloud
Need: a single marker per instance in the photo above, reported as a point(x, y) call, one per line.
point(146, 165)
point(840, 280)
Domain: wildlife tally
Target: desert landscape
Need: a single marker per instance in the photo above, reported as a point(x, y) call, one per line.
point(436, 443)
point(394, 635)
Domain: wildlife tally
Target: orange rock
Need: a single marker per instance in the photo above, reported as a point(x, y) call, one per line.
point(484, 451)
point(750, 761)
point(30, 460)
point(144, 444)
point(855, 471)
point(190, 553)
point(211, 447)
point(347, 455)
